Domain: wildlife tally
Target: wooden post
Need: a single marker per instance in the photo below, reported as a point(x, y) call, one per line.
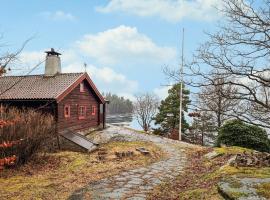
point(58, 142)
point(55, 114)
point(1, 110)
point(104, 115)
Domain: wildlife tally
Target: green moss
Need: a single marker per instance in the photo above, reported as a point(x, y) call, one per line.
point(230, 170)
point(77, 164)
point(200, 193)
point(137, 131)
point(264, 190)
point(236, 194)
point(193, 194)
point(249, 172)
point(25, 187)
point(227, 169)
point(235, 183)
point(232, 150)
point(72, 161)
point(125, 144)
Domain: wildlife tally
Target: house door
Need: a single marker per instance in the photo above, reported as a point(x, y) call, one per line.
point(100, 114)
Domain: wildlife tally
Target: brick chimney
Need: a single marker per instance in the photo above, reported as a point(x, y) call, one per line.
point(52, 63)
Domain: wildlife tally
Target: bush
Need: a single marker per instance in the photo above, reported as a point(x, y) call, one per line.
point(22, 133)
point(237, 133)
point(158, 131)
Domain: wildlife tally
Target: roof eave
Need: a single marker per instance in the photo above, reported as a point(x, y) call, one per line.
point(26, 99)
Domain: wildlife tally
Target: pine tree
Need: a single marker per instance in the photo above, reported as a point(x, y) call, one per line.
point(118, 105)
point(168, 114)
point(203, 127)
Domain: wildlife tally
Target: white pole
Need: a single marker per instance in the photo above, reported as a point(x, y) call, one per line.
point(181, 87)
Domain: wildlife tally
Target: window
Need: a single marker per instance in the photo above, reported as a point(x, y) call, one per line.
point(81, 87)
point(67, 111)
point(94, 110)
point(82, 112)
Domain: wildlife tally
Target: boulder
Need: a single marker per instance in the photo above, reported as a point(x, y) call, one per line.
point(213, 154)
point(254, 159)
point(235, 188)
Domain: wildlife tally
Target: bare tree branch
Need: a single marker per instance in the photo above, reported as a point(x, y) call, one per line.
point(145, 108)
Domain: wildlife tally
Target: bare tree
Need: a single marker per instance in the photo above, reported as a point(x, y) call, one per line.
point(213, 105)
point(240, 53)
point(7, 57)
point(145, 108)
point(217, 99)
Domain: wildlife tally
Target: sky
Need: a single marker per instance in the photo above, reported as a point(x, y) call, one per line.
point(125, 43)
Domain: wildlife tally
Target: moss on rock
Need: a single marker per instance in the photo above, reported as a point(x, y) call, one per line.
point(264, 190)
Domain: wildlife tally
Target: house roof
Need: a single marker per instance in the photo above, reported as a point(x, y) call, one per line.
point(42, 87)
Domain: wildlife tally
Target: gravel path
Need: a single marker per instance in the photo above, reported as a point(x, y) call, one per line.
point(136, 183)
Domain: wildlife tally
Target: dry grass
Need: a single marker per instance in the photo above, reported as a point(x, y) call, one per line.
point(59, 174)
point(200, 178)
point(191, 183)
point(264, 190)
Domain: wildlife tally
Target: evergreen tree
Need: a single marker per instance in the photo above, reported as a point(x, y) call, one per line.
point(118, 105)
point(168, 114)
point(203, 127)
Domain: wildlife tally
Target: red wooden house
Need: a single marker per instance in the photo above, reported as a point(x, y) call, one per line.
point(72, 98)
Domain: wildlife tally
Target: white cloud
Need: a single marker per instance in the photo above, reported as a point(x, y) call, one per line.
point(105, 74)
point(126, 45)
point(162, 92)
point(32, 57)
point(170, 10)
point(69, 55)
point(58, 16)
point(123, 44)
point(27, 61)
point(106, 78)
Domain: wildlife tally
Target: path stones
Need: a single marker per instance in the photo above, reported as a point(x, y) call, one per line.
point(136, 183)
point(136, 198)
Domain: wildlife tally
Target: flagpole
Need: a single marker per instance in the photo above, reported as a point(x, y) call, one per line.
point(181, 87)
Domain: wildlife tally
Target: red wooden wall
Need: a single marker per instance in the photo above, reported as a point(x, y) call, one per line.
point(75, 99)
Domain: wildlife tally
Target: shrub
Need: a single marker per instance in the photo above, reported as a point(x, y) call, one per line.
point(22, 133)
point(158, 131)
point(238, 133)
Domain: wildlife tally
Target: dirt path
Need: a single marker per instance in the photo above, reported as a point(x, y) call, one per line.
point(136, 183)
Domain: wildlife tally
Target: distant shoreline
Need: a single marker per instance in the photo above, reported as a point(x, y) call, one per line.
point(119, 114)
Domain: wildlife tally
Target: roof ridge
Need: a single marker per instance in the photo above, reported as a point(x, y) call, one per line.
point(68, 73)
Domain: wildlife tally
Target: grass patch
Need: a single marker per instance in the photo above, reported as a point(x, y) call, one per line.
point(236, 195)
point(248, 172)
point(232, 150)
point(263, 189)
point(196, 194)
point(137, 131)
point(63, 172)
